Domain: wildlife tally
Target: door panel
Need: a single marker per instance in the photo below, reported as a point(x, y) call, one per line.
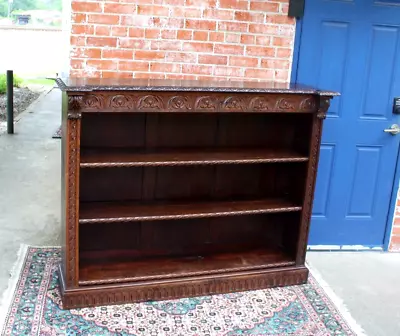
point(353, 47)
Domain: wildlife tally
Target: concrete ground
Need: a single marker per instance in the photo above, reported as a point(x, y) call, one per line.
point(367, 282)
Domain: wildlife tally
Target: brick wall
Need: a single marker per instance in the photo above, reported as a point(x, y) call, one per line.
point(185, 39)
point(394, 245)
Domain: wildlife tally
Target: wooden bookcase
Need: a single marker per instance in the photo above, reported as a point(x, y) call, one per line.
point(175, 189)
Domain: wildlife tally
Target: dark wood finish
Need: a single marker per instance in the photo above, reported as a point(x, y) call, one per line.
point(211, 198)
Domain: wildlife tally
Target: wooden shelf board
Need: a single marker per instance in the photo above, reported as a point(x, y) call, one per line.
point(98, 271)
point(96, 212)
point(97, 158)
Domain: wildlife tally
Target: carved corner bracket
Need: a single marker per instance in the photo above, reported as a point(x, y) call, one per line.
point(74, 107)
point(324, 103)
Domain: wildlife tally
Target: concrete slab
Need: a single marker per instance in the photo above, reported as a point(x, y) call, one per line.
point(30, 182)
point(368, 284)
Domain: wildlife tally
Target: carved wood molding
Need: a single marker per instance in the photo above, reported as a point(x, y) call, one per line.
point(310, 187)
point(73, 129)
point(189, 101)
point(138, 293)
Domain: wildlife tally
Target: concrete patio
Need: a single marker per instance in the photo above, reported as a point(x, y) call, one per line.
point(367, 282)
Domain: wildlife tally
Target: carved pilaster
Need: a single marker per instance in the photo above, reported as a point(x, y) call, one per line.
point(74, 107)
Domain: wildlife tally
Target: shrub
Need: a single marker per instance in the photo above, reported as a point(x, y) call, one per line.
point(3, 82)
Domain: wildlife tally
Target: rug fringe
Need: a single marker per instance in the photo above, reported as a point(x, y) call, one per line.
point(15, 272)
point(337, 302)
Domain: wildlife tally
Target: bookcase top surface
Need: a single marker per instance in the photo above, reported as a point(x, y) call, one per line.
point(127, 84)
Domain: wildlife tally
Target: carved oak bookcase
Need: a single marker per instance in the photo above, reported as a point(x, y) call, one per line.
point(183, 188)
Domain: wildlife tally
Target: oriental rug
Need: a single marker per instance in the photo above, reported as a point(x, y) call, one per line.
point(32, 306)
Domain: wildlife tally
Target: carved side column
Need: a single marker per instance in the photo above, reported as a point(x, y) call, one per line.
point(71, 161)
point(315, 143)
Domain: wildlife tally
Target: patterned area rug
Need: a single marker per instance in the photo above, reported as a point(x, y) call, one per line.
point(57, 134)
point(33, 307)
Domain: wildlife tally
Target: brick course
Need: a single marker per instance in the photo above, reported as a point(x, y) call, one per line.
point(186, 39)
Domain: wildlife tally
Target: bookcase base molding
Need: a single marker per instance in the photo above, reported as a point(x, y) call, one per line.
point(175, 189)
point(92, 296)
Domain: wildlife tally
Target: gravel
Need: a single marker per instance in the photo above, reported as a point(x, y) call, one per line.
point(23, 97)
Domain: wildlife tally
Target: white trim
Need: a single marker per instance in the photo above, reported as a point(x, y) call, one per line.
point(8, 294)
point(344, 248)
point(337, 302)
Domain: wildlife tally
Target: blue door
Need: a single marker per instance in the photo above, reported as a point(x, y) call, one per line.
point(353, 47)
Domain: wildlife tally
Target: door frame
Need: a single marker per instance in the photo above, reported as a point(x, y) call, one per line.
point(395, 185)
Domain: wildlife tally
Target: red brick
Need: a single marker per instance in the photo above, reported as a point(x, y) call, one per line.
point(197, 69)
point(228, 72)
point(394, 247)
point(82, 29)
point(216, 36)
point(185, 12)
point(395, 240)
point(149, 55)
point(168, 22)
point(282, 75)
point(165, 67)
point(212, 59)
point(284, 52)
point(136, 32)
point(275, 64)
point(281, 19)
point(85, 53)
point(282, 42)
point(152, 10)
point(102, 64)
point(197, 47)
point(284, 9)
point(264, 29)
point(134, 43)
point(86, 7)
point(235, 4)
point(260, 73)
point(200, 35)
point(396, 230)
point(116, 74)
point(213, 13)
point(174, 2)
point(200, 24)
point(119, 31)
point(185, 34)
point(232, 26)
point(179, 76)
point(133, 66)
point(243, 61)
point(201, 3)
point(232, 38)
point(103, 19)
point(260, 51)
point(77, 64)
point(119, 8)
point(263, 40)
point(166, 45)
point(103, 31)
point(264, 6)
point(227, 49)
point(136, 20)
point(247, 39)
point(79, 18)
point(78, 40)
point(148, 75)
point(249, 17)
point(181, 57)
point(169, 34)
point(152, 33)
point(118, 53)
point(102, 41)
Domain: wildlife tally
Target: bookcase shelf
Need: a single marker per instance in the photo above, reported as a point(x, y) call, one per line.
point(183, 191)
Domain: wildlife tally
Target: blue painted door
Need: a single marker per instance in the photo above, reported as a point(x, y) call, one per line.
point(353, 46)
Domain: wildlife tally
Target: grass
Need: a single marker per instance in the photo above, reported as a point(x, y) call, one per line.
point(3, 83)
point(19, 82)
